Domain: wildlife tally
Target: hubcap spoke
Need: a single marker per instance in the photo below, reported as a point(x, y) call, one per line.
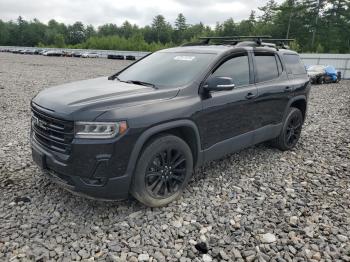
point(293, 130)
point(175, 157)
point(168, 156)
point(155, 183)
point(177, 178)
point(166, 173)
point(179, 170)
point(179, 162)
point(153, 174)
point(158, 187)
point(163, 158)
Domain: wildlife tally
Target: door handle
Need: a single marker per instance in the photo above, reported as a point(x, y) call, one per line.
point(288, 89)
point(250, 95)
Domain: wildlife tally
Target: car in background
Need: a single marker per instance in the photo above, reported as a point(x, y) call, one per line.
point(67, 54)
point(17, 51)
point(113, 56)
point(38, 51)
point(53, 53)
point(28, 52)
point(76, 54)
point(130, 57)
point(321, 74)
point(90, 55)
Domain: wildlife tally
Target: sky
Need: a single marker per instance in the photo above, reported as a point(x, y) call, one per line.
point(140, 12)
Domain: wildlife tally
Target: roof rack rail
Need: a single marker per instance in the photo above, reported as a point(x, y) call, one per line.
point(257, 38)
point(255, 41)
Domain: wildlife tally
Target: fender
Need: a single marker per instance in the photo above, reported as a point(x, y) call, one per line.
point(291, 101)
point(158, 129)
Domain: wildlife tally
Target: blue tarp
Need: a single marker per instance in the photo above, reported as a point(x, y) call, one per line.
point(330, 70)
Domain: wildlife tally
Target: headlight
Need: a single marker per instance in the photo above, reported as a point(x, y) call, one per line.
point(99, 129)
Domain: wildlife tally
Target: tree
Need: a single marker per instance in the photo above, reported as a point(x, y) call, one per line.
point(90, 31)
point(76, 33)
point(59, 41)
point(336, 16)
point(162, 29)
point(247, 27)
point(269, 11)
point(180, 22)
point(107, 30)
point(126, 30)
point(317, 26)
point(180, 28)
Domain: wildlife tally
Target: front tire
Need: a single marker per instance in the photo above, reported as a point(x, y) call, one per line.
point(291, 130)
point(163, 170)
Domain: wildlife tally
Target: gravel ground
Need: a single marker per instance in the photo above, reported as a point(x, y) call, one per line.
point(256, 205)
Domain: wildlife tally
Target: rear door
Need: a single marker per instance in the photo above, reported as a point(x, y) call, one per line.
point(274, 89)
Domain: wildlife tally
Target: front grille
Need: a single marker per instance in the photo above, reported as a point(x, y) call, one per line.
point(52, 133)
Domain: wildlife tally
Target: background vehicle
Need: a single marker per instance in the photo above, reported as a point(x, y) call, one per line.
point(144, 129)
point(130, 57)
point(320, 74)
point(76, 54)
point(53, 53)
point(67, 54)
point(38, 51)
point(28, 52)
point(112, 56)
point(90, 55)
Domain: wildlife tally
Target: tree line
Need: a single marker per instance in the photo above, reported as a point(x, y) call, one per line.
point(316, 25)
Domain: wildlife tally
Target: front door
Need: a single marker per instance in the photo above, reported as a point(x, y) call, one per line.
point(229, 114)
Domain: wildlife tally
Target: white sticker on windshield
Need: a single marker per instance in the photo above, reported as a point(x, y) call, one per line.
point(184, 58)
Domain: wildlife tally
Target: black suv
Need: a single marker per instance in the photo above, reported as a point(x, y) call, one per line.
point(143, 130)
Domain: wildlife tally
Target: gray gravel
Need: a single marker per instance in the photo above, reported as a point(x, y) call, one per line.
point(256, 205)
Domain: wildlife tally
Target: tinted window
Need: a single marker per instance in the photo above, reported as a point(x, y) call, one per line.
point(266, 67)
point(237, 68)
point(165, 69)
point(294, 64)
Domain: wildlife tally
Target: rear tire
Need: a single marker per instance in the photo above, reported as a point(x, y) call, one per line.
point(291, 130)
point(163, 170)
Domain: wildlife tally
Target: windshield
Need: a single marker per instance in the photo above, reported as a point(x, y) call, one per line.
point(164, 69)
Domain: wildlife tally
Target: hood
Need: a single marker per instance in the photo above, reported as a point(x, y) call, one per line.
point(85, 100)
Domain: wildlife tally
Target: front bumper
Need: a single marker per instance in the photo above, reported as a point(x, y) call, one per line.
point(96, 179)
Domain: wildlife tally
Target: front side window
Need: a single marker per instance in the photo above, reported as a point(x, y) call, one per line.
point(266, 66)
point(237, 68)
point(166, 69)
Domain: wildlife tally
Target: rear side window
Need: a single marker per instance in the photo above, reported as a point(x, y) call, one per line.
point(266, 66)
point(237, 68)
point(294, 64)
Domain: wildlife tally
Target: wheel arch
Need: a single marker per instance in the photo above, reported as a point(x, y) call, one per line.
point(300, 102)
point(185, 129)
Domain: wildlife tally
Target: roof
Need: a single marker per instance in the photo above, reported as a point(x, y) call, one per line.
point(218, 49)
point(211, 49)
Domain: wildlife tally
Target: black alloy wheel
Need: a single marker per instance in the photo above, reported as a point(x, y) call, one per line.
point(293, 130)
point(163, 170)
point(166, 173)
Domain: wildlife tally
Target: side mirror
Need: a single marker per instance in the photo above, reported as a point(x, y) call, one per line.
point(219, 83)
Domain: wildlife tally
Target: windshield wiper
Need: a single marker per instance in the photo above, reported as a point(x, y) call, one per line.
point(137, 82)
